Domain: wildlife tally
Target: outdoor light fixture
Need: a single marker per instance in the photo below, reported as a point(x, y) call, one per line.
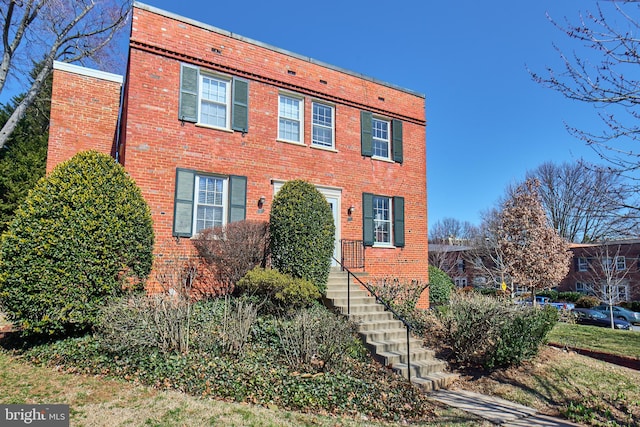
point(261, 201)
point(351, 210)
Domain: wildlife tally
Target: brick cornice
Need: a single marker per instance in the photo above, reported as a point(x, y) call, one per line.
point(149, 48)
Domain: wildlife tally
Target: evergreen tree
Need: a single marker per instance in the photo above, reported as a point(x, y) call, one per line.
point(23, 159)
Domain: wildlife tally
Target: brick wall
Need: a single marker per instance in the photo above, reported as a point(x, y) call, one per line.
point(155, 142)
point(84, 112)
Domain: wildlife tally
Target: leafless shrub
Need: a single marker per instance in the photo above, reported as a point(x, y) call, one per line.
point(234, 249)
point(161, 320)
point(315, 339)
point(238, 319)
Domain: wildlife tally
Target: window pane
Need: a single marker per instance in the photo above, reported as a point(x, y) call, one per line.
point(209, 203)
point(322, 129)
point(380, 133)
point(382, 219)
point(290, 118)
point(214, 99)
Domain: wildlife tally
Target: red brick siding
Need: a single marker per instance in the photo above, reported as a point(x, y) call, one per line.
point(155, 142)
point(84, 113)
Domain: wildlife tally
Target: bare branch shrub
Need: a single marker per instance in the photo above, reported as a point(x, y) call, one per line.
point(233, 250)
point(161, 320)
point(316, 339)
point(238, 319)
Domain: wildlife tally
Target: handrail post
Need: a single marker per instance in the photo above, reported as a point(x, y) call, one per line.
point(408, 355)
point(349, 294)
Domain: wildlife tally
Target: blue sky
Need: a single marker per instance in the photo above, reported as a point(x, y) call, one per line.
point(488, 122)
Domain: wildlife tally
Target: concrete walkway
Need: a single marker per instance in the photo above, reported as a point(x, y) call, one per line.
point(498, 411)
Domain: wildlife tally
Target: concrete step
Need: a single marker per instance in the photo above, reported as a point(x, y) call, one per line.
point(380, 325)
point(385, 336)
point(435, 381)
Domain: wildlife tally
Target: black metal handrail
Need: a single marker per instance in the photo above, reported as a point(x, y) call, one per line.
point(352, 253)
point(386, 305)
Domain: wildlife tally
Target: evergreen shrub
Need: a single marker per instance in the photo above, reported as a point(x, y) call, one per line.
point(82, 236)
point(277, 291)
point(490, 333)
point(440, 286)
point(302, 233)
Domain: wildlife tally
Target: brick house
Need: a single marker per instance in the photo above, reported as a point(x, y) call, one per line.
point(210, 124)
point(596, 265)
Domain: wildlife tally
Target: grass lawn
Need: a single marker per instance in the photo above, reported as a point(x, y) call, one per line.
point(577, 387)
point(622, 343)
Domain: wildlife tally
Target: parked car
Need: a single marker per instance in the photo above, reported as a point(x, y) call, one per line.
point(586, 316)
point(540, 300)
point(620, 313)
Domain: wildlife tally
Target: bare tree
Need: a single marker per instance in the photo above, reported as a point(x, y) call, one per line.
point(534, 255)
point(452, 231)
point(49, 30)
point(584, 203)
point(610, 83)
point(608, 268)
point(488, 259)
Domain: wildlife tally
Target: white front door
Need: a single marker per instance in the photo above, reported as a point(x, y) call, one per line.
point(334, 203)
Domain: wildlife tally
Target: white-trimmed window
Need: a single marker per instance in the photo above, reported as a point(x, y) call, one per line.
point(380, 138)
point(460, 282)
point(584, 288)
point(615, 292)
point(583, 264)
point(210, 202)
point(204, 200)
point(382, 220)
point(322, 128)
point(621, 263)
point(215, 99)
point(290, 118)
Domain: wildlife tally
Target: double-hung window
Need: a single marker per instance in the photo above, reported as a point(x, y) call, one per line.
point(322, 129)
point(290, 118)
point(214, 100)
point(205, 200)
point(211, 195)
point(380, 136)
point(383, 220)
point(583, 264)
point(621, 263)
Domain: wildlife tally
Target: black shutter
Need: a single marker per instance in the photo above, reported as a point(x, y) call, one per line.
point(366, 137)
point(240, 114)
point(189, 77)
point(367, 219)
point(396, 140)
point(398, 221)
point(237, 198)
point(183, 203)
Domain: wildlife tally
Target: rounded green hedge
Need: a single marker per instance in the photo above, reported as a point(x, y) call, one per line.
point(440, 286)
point(302, 233)
point(83, 234)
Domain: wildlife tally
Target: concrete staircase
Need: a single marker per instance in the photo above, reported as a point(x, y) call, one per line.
point(385, 336)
